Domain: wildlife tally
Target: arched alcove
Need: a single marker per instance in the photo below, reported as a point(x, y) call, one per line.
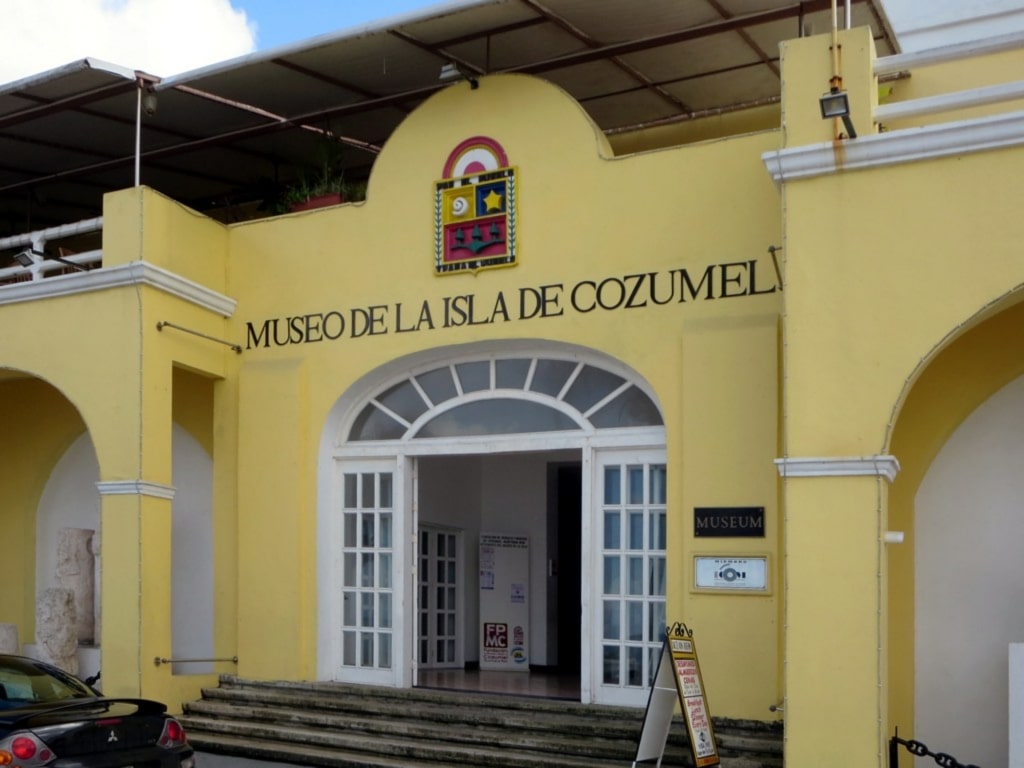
point(956, 500)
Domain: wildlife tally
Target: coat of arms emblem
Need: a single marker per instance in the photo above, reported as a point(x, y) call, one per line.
point(475, 209)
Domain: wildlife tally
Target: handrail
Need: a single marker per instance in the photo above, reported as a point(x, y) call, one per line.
point(954, 100)
point(161, 660)
point(948, 102)
point(35, 243)
point(901, 62)
point(40, 236)
point(47, 265)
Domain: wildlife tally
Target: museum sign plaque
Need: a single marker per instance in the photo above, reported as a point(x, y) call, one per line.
point(732, 522)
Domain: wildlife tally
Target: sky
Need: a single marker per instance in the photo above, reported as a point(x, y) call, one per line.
point(165, 37)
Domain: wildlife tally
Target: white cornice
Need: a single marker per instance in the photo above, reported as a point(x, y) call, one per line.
point(839, 466)
point(894, 147)
point(132, 274)
point(135, 488)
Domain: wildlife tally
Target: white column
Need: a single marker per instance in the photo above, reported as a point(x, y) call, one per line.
point(1016, 705)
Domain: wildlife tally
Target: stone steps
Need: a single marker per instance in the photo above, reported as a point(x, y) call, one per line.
point(333, 724)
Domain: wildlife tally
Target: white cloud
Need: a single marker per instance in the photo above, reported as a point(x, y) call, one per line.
point(162, 37)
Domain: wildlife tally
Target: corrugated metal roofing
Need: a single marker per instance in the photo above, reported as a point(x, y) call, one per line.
point(234, 132)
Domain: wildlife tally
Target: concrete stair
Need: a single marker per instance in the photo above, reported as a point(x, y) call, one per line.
point(333, 724)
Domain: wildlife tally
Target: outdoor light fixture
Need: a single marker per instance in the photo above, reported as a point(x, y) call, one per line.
point(452, 71)
point(836, 103)
point(25, 258)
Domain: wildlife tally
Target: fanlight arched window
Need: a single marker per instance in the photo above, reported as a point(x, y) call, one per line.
point(513, 395)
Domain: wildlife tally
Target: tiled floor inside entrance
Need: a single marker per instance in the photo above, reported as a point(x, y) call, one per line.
point(546, 685)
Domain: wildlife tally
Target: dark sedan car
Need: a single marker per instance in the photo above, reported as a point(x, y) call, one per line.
point(50, 718)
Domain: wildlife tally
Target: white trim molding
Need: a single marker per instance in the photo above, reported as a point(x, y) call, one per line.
point(134, 273)
point(983, 45)
point(135, 488)
point(839, 466)
point(906, 145)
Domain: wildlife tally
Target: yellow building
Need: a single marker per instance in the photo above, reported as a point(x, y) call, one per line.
point(552, 384)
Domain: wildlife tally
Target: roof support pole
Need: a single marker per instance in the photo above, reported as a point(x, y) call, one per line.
point(138, 130)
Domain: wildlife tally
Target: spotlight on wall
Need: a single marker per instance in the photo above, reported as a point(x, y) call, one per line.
point(27, 258)
point(149, 103)
point(452, 71)
point(836, 103)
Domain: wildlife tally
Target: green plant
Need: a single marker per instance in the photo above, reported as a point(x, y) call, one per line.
point(328, 179)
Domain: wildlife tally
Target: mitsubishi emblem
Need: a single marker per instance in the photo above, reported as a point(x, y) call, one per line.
point(112, 737)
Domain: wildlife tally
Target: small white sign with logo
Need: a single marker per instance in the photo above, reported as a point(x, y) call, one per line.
point(744, 574)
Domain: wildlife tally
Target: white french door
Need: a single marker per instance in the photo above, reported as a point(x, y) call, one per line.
point(370, 528)
point(440, 600)
point(629, 534)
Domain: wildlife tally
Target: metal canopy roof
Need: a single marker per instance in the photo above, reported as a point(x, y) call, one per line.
point(232, 133)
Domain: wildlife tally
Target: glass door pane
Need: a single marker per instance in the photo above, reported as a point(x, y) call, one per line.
point(631, 498)
point(367, 617)
point(440, 622)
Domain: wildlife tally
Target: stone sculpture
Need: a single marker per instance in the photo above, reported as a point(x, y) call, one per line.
point(56, 636)
point(76, 572)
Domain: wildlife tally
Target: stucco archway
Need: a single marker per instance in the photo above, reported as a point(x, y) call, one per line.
point(517, 400)
point(959, 425)
point(50, 480)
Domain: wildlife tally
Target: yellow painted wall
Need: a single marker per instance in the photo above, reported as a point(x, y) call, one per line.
point(884, 269)
point(583, 217)
point(726, 406)
point(192, 403)
point(88, 346)
point(881, 277)
point(713, 127)
point(811, 66)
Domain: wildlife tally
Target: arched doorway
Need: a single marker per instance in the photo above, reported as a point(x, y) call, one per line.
point(52, 488)
point(70, 498)
point(956, 581)
point(432, 466)
point(970, 581)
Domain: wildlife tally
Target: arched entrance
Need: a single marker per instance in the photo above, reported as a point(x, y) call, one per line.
point(956, 581)
point(434, 466)
point(52, 489)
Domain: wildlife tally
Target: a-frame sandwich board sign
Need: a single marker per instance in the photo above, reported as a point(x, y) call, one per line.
point(677, 678)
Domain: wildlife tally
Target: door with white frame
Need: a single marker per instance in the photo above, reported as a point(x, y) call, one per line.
point(368, 537)
point(440, 637)
point(628, 525)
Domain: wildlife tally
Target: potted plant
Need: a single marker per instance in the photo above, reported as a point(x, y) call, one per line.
point(323, 189)
point(327, 186)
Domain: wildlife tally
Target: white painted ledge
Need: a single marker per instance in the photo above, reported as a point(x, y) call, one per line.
point(839, 466)
point(906, 145)
point(135, 488)
point(136, 273)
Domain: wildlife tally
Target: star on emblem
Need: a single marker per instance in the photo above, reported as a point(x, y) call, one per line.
point(493, 201)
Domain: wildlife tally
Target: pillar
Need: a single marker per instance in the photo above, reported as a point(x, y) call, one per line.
point(835, 636)
point(136, 627)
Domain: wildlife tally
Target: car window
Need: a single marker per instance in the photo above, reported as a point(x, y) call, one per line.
point(25, 681)
point(16, 685)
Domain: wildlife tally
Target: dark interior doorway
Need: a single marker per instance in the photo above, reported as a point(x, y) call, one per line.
point(568, 493)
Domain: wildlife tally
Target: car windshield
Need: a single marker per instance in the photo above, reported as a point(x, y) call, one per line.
point(24, 681)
